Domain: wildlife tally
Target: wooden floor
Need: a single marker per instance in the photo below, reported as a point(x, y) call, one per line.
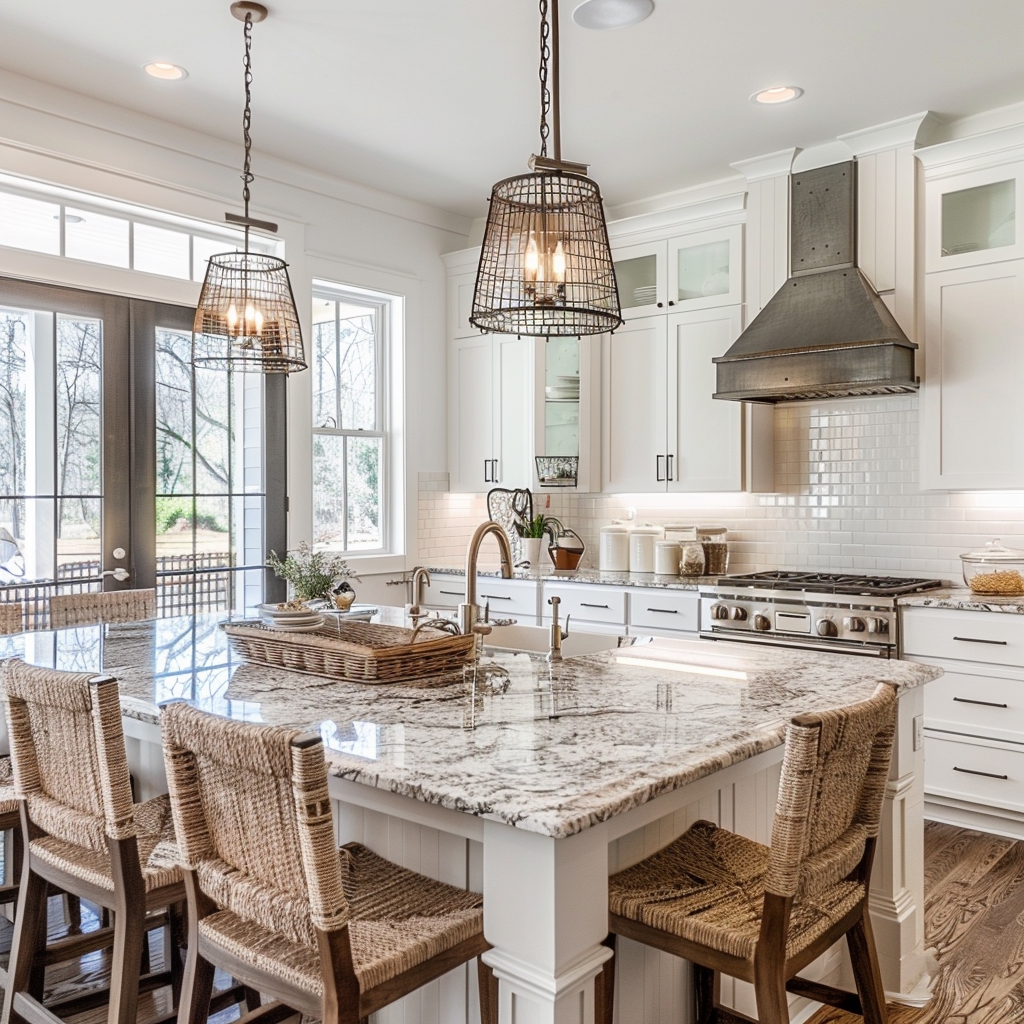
point(974, 924)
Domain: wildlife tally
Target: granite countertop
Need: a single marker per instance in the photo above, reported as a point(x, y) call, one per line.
point(963, 599)
point(594, 576)
point(552, 749)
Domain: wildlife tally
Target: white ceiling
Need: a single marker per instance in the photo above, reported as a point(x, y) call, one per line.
point(436, 99)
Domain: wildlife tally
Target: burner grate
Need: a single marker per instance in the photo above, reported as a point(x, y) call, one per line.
point(831, 583)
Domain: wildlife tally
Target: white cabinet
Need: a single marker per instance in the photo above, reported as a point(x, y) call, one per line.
point(662, 430)
point(490, 412)
point(973, 716)
point(663, 612)
point(460, 305)
point(694, 271)
point(588, 607)
point(972, 434)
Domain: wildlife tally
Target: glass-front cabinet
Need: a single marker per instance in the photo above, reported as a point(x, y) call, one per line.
point(565, 408)
point(973, 218)
point(693, 271)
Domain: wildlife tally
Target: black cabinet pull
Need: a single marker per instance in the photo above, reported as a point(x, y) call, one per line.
point(972, 771)
point(583, 604)
point(978, 640)
point(668, 463)
point(983, 703)
point(487, 478)
point(452, 593)
point(494, 471)
point(664, 611)
point(496, 597)
point(657, 468)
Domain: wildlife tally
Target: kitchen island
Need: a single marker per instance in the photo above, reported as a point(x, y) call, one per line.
point(531, 782)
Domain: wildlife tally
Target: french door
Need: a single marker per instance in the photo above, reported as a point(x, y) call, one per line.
point(121, 466)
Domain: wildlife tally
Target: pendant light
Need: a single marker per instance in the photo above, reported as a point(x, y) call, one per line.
point(546, 266)
point(246, 318)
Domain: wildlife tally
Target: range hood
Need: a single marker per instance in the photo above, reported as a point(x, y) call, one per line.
point(826, 333)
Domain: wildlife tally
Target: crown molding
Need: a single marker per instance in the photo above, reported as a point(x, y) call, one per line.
point(987, 149)
point(771, 165)
point(913, 130)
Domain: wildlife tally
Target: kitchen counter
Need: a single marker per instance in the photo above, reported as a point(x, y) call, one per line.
point(962, 599)
point(593, 576)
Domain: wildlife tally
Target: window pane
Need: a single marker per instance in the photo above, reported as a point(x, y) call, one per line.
point(78, 539)
point(173, 416)
point(160, 251)
point(79, 436)
point(214, 433)
point(95, 237)
point(325, 372)
point(357, 367)
point(15, 343)
point(329, 489)
point(29, 224)
point(364, 497)
point(203, 249)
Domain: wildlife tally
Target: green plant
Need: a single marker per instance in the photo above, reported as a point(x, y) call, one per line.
point(535, 528)
point(312, 574)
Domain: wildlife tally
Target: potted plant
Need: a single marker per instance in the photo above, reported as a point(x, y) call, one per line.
point(532, 534)
point(315, 575)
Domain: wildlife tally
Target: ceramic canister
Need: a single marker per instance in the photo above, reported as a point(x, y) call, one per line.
point(641, 547)
point(614, 553)
point(666, 557)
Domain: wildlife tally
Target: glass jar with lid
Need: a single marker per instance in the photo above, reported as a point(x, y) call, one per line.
point(716, 549)
point(994, 569)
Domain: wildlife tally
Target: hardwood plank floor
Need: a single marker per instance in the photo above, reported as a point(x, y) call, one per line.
point(974, 924)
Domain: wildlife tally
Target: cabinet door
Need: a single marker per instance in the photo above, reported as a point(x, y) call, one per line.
point(972, 432)
point(642, 278)
point(705, 436)
point(471, 413)
point(512, 447)
point(705, 269)
point(633, 407)
point(460, 304)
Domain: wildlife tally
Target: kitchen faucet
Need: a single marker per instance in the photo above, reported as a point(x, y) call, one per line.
point(468, 610)
point(557, 633)
point(419, 577)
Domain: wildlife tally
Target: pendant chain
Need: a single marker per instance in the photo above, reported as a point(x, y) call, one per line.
point(247, 175)
point(545, 92)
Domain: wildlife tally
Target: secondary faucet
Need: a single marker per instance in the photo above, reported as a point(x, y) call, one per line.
point(469, 612)
point(419, 577)
point(557, 633)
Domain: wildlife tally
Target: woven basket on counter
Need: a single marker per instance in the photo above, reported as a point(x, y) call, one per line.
point(364, 652)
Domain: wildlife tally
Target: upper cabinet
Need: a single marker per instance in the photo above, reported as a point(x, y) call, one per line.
point(694, 271)
point(460, 305)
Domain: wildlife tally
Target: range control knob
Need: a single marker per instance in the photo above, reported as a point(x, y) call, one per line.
point(853, 624)
point(739, 614)
point(719, 611)
point(762, 622)
point(826, 627)
point(878, 625)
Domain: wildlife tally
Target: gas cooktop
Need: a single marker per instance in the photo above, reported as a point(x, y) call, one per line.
point(830, 583)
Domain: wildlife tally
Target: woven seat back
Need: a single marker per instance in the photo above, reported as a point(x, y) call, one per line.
point(12, 617)
point(111, 606)
point(67, 746)
point(830, 795)
point(253, 820)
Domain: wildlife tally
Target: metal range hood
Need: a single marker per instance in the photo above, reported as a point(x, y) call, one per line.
point(826, 332)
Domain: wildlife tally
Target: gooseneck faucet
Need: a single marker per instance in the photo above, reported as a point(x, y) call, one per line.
point(419, 577)
point(469, 612)
point(557, 633)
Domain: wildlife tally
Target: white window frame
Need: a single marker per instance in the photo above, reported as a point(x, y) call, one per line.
point(385, 324)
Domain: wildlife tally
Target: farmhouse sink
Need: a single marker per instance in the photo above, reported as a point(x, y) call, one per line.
point(537, 639)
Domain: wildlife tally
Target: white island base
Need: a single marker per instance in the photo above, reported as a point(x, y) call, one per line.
point(545, 899)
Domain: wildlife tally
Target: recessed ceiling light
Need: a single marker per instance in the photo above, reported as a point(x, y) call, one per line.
point(611, 13)
point(168, 72)
point(780, 94)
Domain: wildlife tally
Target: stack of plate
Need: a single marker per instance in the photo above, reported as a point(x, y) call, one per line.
point(645, 294)
point(291, 620)
point(566, 390)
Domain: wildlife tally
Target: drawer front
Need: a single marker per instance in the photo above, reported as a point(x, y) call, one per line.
point(992, 638)
point(980, 772)
point(663, 609)
point(444, 591)
point(507, 597)
point(978, 705)
point(586, 604)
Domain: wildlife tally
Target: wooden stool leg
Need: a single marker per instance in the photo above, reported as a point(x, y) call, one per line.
point(604, 985)
point(129, 936)
point(704, 994)
point(861, 942)
point(770, 993)
point(73, 913)
point(488, 985)
point(29, 938)
point(196, 988)
point(175, 941)
point(252, 998)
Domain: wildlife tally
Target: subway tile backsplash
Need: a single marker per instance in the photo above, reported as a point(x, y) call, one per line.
point(847, 498)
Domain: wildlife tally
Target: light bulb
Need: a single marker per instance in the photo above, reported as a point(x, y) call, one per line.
point(558, 264)
point(531, 260)
point(232, 318)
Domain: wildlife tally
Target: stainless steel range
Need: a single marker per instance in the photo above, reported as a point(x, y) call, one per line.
point(812, 610)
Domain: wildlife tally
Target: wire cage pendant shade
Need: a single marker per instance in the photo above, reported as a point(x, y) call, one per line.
point(246, 318)
point(546, 265)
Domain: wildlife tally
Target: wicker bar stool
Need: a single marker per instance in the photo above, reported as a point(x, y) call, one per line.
point(728, 904)
point(335, 934)
point(12, 617)
point(107, 606)
point(83, 834)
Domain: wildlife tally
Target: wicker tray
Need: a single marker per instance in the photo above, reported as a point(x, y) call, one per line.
point(365, 652)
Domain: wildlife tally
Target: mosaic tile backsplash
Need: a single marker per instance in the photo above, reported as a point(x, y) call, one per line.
point(847, 498)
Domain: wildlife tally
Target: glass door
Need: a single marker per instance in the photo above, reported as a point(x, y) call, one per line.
point(64, 444)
